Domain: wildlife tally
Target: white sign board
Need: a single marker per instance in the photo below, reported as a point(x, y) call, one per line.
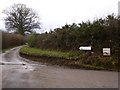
point(106, 51)
point(86, 48)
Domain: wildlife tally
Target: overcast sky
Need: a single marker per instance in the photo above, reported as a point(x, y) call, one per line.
point(56, 13)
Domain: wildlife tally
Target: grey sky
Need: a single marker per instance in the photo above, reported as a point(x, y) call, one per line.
point(56, 13)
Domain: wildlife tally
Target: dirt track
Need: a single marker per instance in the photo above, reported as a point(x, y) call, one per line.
point(17, 73)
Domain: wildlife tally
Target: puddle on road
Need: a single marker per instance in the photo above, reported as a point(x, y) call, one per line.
point(21, 67)
point(12, 63)
point(30, 68)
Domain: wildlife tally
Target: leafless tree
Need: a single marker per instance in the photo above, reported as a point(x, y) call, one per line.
point(21, 19)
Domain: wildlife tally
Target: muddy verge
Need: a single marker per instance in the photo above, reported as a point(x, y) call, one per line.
point(62, 62)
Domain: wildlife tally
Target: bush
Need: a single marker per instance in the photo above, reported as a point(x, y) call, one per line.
point(11, 40)
point(32, 40)
point(100, 61)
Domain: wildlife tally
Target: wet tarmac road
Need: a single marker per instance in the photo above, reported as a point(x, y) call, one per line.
point(18, 72)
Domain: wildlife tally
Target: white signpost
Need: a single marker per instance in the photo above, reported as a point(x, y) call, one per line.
point(106, 52)
point(85, 48)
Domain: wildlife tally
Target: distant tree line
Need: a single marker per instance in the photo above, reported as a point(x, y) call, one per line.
point(103, 32)
point(10, 40)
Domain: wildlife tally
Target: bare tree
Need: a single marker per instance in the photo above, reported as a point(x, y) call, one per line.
point(21, 19)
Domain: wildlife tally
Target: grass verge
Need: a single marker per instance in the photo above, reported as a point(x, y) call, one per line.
point(66, 59)
point(47, 53)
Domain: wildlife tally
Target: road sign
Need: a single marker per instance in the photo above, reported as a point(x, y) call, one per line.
point(85, 48)
point(106, 52)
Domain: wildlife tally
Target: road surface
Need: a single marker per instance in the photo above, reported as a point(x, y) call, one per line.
point(18, 72)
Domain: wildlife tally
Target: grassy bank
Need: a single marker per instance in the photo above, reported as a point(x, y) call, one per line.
point(48, 53)
point(69, 59)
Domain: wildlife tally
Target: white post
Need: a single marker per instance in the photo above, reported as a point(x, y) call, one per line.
point(119, 8)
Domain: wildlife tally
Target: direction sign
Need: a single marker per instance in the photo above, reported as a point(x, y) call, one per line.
point(86, 48)
point(106, 52)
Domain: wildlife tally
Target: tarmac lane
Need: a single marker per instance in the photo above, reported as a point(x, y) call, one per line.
point(16, 72)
